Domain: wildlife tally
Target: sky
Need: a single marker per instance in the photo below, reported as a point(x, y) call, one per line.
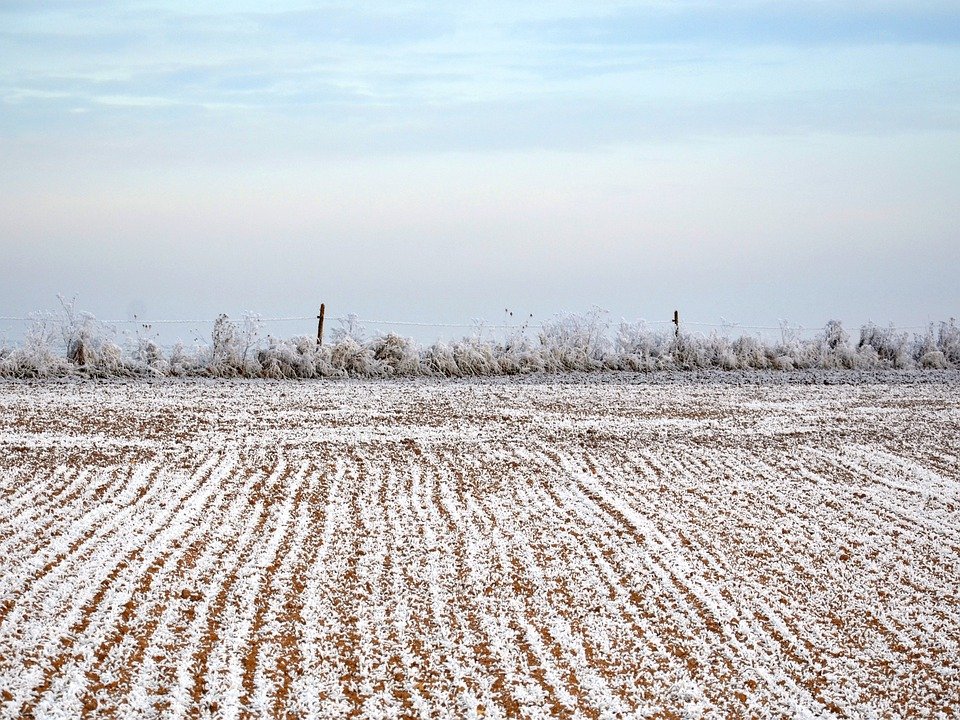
point(746, 162)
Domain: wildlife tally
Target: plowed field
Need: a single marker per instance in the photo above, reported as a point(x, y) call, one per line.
point(493, 549)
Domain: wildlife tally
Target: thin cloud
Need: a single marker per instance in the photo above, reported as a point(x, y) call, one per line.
point(783, 22)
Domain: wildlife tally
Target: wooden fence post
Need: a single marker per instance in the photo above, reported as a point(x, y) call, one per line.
point(320, 325)
point(676, 321)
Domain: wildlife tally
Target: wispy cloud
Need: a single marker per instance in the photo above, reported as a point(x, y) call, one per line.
point(631, 149)
point(773, 22)
point(415, 77)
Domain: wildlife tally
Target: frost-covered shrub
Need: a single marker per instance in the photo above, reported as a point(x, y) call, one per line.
point(792, 351)
point(350, 327)
point(183, 363)
point(834, 337)
point(717, 353)
point(90, 346)
point(225, 359)
point(783, 362)
point(689, 352)
point(233, 352)
point(476, 358)
point(75, 343)
point(934, 360)
point(575, 342)
point(37, 357)
point(297, 358)
point(350, 357)
point(890, 345)
point(518, 356)
point(948, 342)
point(867, 358)
point(108, 361)
point(728, 361)
point(397, 355)
point(147, 356)
point(438, 360)
point(80, 333)
point(832, 349)
point(638, 347)
point(924, 345)
point(750, 353)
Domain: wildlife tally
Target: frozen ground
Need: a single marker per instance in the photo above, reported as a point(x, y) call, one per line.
point(728, 546)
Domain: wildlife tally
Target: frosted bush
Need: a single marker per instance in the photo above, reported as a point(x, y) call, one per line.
point(867, 358)
point(70, 342)
point(37, 357)
point(716, 352)
point(296, 358)
point(182, 363)
point(438, 360)
point(728, 361)
point(831, 348)
point(476, 358)
point(890, 345)
point(233, 352)
point(783, 362)
point(225, 359)
point(575, 342)
point(924, 345)
point(834, 336)
point(934, 360)
point(518, 356)
point(948, 341)
point(687, 352)
point(639, 347)
point(109, 361)
point(351, 358)
point(350, 327)
point(148, 357)
point(397, 355)
point(89, 343)
point(750, 353)
point(792, 351)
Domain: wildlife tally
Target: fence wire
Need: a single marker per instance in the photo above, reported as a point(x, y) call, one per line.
point(477, 324)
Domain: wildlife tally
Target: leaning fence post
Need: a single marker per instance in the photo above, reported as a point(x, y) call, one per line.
point(676, 321)
point(320, 325)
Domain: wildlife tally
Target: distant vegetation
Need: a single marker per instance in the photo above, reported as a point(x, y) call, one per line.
point(75, 343)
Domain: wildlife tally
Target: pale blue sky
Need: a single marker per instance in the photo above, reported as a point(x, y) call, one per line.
point(423, 160)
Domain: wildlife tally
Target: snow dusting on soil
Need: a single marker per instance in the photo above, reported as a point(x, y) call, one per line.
point(594, 547)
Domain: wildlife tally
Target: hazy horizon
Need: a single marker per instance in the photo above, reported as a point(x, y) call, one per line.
point(754, 161)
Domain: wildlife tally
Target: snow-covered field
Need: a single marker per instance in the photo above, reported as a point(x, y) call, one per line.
point(603, 546)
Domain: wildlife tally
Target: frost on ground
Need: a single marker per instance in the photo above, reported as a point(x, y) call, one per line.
point(592, 549)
